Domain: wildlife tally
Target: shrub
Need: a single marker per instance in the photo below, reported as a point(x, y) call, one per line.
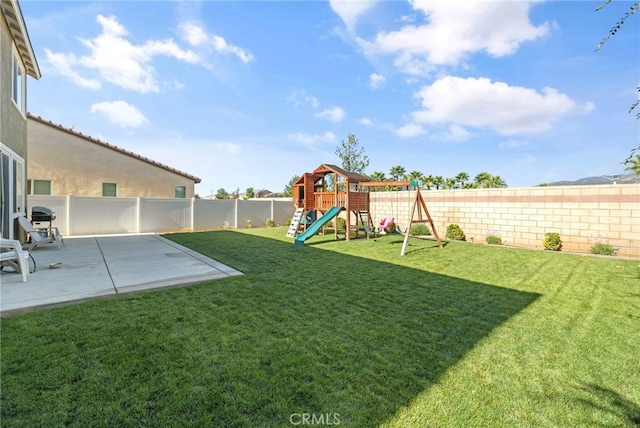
point(604, 249)
point(419, 229)
point(494, 240)
point(249, 224)
point(455, 233)
point(552, 241)
point(271, 223)
point(288, 221)
point(341, 223)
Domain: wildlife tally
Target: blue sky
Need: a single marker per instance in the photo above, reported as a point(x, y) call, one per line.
point(249, 94)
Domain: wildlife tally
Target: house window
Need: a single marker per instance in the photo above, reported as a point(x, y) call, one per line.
point(181, 192)
point(39, 187)
point(109, 189)
point(18, 78)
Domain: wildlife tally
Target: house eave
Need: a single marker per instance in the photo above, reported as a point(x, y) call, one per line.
point(15, 21)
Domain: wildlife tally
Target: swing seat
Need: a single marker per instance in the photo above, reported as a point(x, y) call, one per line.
point(370, 232)
point(386, 222)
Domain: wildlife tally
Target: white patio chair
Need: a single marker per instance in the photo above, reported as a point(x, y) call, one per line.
point(40, 236)
point(12, 254)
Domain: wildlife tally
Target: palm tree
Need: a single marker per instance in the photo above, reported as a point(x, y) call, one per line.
point(462, 178)
point(450, 183)
point(377, 176)
point(438, 181)
point(428, 181)
point(397, 172)
point(497, 181)
point(482, 179)
point(417, 176)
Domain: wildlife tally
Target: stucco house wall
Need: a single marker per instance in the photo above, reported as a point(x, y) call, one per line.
point(15, 49)
point(77, 164)
point(13, 127)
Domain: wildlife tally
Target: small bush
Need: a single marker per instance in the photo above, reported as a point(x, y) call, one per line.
point(419, 229)
point(494, 240)
point(270, 223)
point(288, 221)
point(249, 224)
point(552, 241)
point(603, 249)
point(341, 223)
point(454, 232)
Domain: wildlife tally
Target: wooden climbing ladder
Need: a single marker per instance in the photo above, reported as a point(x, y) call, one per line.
point(295, 223)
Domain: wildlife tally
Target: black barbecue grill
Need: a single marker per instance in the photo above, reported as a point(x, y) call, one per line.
point(41, 214)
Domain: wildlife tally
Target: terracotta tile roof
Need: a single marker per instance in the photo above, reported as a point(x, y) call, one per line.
point(104, 144)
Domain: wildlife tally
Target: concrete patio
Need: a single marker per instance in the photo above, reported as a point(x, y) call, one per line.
point(99, 267)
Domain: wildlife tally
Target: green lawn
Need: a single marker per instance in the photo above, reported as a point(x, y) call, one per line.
point(349, 333)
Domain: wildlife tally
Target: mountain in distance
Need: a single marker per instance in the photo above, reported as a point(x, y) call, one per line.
point(599, 179)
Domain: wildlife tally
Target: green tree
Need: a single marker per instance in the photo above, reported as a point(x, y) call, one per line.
point(222, 194)
point(352, 155)
point(482, 179)
point(462, 178)
point(397, 172)
point(438, 181)
point(378, 176)
point(633, 164)
point(629, 162)
point(497, 181)
point(450, 183)
point(428, 181)
point(249, 193)
point(288, 189)
point(416, 176)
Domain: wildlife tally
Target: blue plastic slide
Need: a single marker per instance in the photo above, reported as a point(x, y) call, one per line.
point(316, 225)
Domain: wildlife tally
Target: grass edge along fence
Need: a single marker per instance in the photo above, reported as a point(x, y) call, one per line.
point(582, 215)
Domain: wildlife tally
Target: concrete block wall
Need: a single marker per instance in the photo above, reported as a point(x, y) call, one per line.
point(582, 215)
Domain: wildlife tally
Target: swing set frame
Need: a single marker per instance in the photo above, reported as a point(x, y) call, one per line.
point(421, 206)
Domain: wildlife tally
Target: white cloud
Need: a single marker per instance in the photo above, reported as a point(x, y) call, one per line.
point(479, 102)
point(178, 84)
point(196, 36)
point(365, 121)
point(63, 62)
point(410, 130)
point(334, 114)
point(457, 133)
point(311, 139)
point(350, 10)
point(116, 60)
point(456, 29)
point(375, 80)
point(120, 113)
point(300, 96)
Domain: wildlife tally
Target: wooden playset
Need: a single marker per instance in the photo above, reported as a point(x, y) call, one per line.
point(323, 194)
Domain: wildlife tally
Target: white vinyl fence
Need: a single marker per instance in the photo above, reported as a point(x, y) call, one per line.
point(84, 215)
